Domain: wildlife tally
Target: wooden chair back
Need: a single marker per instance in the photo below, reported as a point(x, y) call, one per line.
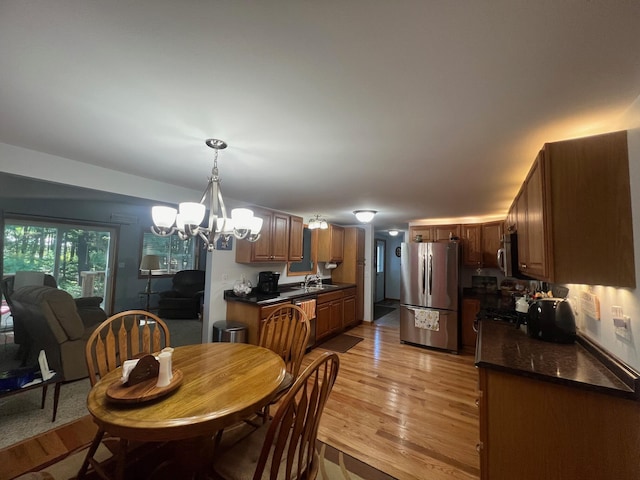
point(286, 332)
point(124, 336)
point(293, 431)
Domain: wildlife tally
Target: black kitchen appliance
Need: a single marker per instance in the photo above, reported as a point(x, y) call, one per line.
point(268, 282)
point(552, 320)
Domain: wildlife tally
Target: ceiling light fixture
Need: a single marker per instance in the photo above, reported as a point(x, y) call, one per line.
point(186, 221)
point(318, 222)
point(393, 233)
point(364, 216)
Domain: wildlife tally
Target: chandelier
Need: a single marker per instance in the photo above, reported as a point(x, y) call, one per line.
point(187, 219)
point(318, 222)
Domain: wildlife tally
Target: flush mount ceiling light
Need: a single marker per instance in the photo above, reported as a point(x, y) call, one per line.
point(186, 221)
point(318, 222)
point(364, 216)
point(393, 233)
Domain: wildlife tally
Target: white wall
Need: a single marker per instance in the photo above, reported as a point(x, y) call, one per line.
point(603, 332)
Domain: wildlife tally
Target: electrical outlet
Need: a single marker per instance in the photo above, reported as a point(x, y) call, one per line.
point(225, 277)
point(621, 322)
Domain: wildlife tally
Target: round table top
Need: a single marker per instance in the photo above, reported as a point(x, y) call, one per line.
point(222, 384)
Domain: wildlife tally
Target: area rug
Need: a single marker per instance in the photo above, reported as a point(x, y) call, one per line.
point(341, 343)
point(381, 311)
point(335, 465)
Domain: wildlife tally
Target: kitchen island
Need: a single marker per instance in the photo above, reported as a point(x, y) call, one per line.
point(554, 411)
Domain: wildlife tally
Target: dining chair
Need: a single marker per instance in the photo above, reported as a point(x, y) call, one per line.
point(286, 332)
point(283, 448)
point(124, 336)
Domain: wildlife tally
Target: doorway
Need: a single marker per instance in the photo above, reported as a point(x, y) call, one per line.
point(381, 247)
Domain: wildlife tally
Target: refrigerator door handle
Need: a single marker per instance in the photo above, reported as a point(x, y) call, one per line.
point(430, 273)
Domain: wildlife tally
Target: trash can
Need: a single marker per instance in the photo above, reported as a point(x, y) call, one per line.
point(229, 331)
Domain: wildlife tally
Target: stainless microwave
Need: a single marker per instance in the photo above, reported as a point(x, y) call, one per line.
point(508, 255)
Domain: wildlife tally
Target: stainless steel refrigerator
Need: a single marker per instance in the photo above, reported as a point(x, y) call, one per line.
point(429, 294)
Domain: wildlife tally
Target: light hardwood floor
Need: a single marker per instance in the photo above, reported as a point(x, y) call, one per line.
point(407, 411)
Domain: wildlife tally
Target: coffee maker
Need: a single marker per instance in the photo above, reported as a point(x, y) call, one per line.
point(268, 282)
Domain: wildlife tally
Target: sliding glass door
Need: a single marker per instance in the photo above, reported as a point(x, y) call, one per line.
point(80, 257)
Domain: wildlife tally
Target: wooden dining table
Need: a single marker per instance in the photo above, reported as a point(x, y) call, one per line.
point(222, 384)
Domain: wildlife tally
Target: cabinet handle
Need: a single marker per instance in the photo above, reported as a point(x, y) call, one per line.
point(477, 402)
point(479, 447)
point(523, 265)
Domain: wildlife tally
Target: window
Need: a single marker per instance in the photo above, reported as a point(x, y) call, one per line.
point(78, 256)
point(175, 254)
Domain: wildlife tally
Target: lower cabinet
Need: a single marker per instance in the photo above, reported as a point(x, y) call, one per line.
point(252, 315)
point(470, 308)
point(532, 429)
point(350, 316)
point(329, 313)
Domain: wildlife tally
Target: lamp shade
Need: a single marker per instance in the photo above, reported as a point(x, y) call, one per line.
point(150, 262)
point(163, 216)
point(192, 213)
point(364, 216)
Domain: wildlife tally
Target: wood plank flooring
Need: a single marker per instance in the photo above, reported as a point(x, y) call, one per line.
point(407, 411)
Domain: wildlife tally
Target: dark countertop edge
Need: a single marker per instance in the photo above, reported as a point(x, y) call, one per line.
point(624, 372)
point(633, 392)
point(229, 296)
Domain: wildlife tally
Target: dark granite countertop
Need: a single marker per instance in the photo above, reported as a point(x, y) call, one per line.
point(286, 294)
point(502, 347)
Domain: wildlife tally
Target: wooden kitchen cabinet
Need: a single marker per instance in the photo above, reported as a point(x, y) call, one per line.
point(480, 244)
point(273, 244)
point(331, 244)
point(470, 308)
point(574, 213)
point(349, 311)
point(425, 232)
point(491, 242)
point(296, 229)
point(351, 270)
point(532, 429)
point(329, 313)
point(472, 245)
point(252, 315)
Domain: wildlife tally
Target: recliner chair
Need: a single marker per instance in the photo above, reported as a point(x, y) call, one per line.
point(185, 299)
point(88, 308)
point(52, 323)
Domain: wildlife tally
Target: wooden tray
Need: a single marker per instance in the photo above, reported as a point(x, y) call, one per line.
point(143, 391)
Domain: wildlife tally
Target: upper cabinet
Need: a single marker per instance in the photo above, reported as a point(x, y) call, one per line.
point(433, 233)
point(480, 244)
point(573, 213)
point(273, 244)
point(296, 229)
point(331, 244)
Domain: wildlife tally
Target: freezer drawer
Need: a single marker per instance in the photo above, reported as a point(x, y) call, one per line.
point(429, 327)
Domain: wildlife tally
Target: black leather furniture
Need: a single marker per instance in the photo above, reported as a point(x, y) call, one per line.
point(185, 299)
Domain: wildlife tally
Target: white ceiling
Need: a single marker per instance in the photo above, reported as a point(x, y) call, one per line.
point(418, 109)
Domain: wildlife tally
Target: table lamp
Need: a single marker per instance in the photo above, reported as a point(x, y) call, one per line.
point(149, 262)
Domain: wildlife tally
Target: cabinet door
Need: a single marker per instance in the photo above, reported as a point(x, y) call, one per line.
point(470, 307)
point(443, 233)
point(491, 241)
point(261, 250)
point(331, 244)
point(296, 229)
point(472, 245)
point(536, 264)
point(424, 232)
point(279, 237)
point(349, 312)
point(523, 246)
point(337, 308)
point(323, 320)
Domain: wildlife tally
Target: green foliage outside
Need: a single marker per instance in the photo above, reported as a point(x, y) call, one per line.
point(61, 252)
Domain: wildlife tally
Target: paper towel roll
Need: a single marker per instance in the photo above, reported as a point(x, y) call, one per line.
point(330, 265)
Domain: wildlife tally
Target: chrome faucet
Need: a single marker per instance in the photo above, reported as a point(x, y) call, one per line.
point(312, 278)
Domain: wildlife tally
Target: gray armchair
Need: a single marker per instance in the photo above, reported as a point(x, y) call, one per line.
point(52, 323)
